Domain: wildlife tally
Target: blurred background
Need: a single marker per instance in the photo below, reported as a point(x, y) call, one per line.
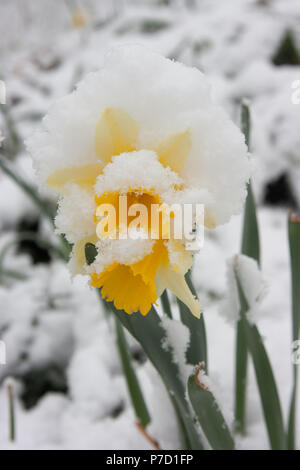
point(60, 347)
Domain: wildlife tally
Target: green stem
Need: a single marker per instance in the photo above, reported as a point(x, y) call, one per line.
point(267, 387)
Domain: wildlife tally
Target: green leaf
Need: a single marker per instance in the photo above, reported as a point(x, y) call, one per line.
point(241, 367)
point(250, 240)
point(166, 304)
point(287, 52)
point(209, 416)
point(250, 237)
point(264, 377)
point(294, 242)
point(149, 332)
point(132, 382)
point(250, 247)
point(197, 350)
point(90, 253)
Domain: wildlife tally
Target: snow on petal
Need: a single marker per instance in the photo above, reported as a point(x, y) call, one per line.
point(127, 172)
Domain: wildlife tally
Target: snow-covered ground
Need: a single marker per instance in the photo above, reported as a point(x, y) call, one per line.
point(60, 344)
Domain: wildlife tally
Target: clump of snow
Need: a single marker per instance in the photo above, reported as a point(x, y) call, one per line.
point(253, 284)
point(136, 170)
point(177, 339)
point(75, 214)
point(100, 397)
point(123, 251)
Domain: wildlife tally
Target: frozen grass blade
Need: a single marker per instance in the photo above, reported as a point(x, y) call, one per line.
point(251, 248)
point(209, 415)
point(264, 376)
point(132, 382)
point(13, 274)
point(197, 350)
point(42, 205)
point(29, 190)
point(294, 242)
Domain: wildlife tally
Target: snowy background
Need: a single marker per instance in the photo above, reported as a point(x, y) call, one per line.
point(60, 347)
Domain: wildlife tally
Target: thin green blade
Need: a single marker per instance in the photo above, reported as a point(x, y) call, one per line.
point(250, 247)
point(265, 378)
point(294, 242)
point(250, 237)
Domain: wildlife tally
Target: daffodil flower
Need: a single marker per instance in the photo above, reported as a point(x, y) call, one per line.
point(144, 127)
point(79, 18)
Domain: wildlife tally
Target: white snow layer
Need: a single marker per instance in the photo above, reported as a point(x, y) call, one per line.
point(253, 284)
